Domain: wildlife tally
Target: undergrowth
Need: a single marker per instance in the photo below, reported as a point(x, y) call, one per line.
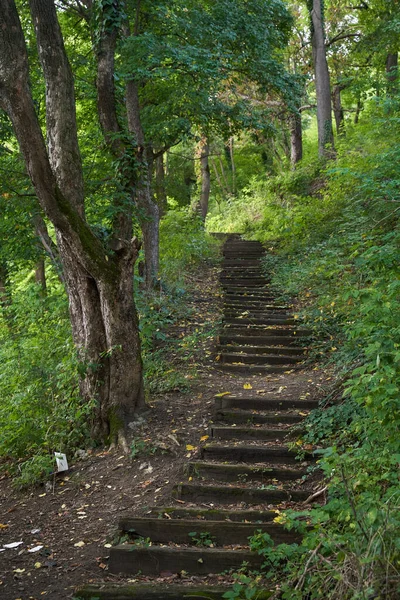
point(41, 411)
point(336, 238)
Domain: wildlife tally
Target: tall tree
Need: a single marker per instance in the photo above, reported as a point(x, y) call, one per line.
point(98, 277)
point(322, 79)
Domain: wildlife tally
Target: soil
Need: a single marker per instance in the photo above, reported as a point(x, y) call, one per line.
point(73, 518)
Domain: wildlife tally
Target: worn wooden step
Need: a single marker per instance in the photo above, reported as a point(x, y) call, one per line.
point(154, 560)
point(219, 533)
point(245, 304)
point(256, 403)
point(229, 494)
point(253, 309)
point(153, 591)
point(249, 349)
point(229, 432)
point(259, 359)
point(253, 316)
point(280, 342)
point(265, 330)
point(240, 280)
point(273, 319)
point(240, 262)
point(249, 454)
point(239, 369)
point(251, 416)
point(214, 514)
point(242, 472)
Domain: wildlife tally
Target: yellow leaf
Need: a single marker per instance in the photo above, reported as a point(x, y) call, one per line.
point(222, 394)
point(190, 479)
point(247, 386)
point(204, 438)
point(38, 565)
point(190, 447)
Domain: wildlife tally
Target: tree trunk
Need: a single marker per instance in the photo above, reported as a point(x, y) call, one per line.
point(5, 298)
point(338, 108)
point(160, 191)
point(40, 276)
point(322, 82)
point(99, 284)
point(358, 111)
point(203, 153)
point(296, 139)
point(392, 73)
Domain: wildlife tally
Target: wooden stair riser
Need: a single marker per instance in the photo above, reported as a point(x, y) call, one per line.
point(261, 350)
point(250, 454)
point(220, 432)
point(242, 472)
point(266, 330)
point(259, 359)
point(236, 495)
point(249, 370)
point(259, 340)
point(251, 418)
point(215, 514)
point(269, 320)
point(254, 403)
point(155, 560)
point(222, 533)
point(152, 591)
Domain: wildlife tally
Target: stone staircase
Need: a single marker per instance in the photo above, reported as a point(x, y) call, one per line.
point(245, 471)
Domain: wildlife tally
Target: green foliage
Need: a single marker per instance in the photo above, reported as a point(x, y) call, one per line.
point(336, 236)
point(203, 539)
point(183, 244)
point(41, 411)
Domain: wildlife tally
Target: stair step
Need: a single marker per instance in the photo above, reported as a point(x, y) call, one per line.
point(258, 340)
point(225, 494)
point(269, 320)
point(154, 560)
point(238, 281)
point(262, 350)
point(229, 432)
point(254, 369)
point(240, 262)
point(242, 472)
point(245, 308)
point(248, 416)
point(214, 514)
point(259, 359)
point(220, 533)
point(249, 454)
point(152, 591)
point(254, 403)
point(266, 330)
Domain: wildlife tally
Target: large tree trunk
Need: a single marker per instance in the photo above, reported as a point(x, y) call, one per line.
point(322, 82)
point(296, 139)
point(99, 285)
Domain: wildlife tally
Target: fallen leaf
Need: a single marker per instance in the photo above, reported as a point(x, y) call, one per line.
point(79, 544)
point(12, 545)
point(247, 386)
point(190, 447)
point(3, 526)
point(19, 571)
point(222, 394)
point(204, 438)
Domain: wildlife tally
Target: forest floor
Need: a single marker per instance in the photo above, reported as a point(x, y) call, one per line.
point(73, 518)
